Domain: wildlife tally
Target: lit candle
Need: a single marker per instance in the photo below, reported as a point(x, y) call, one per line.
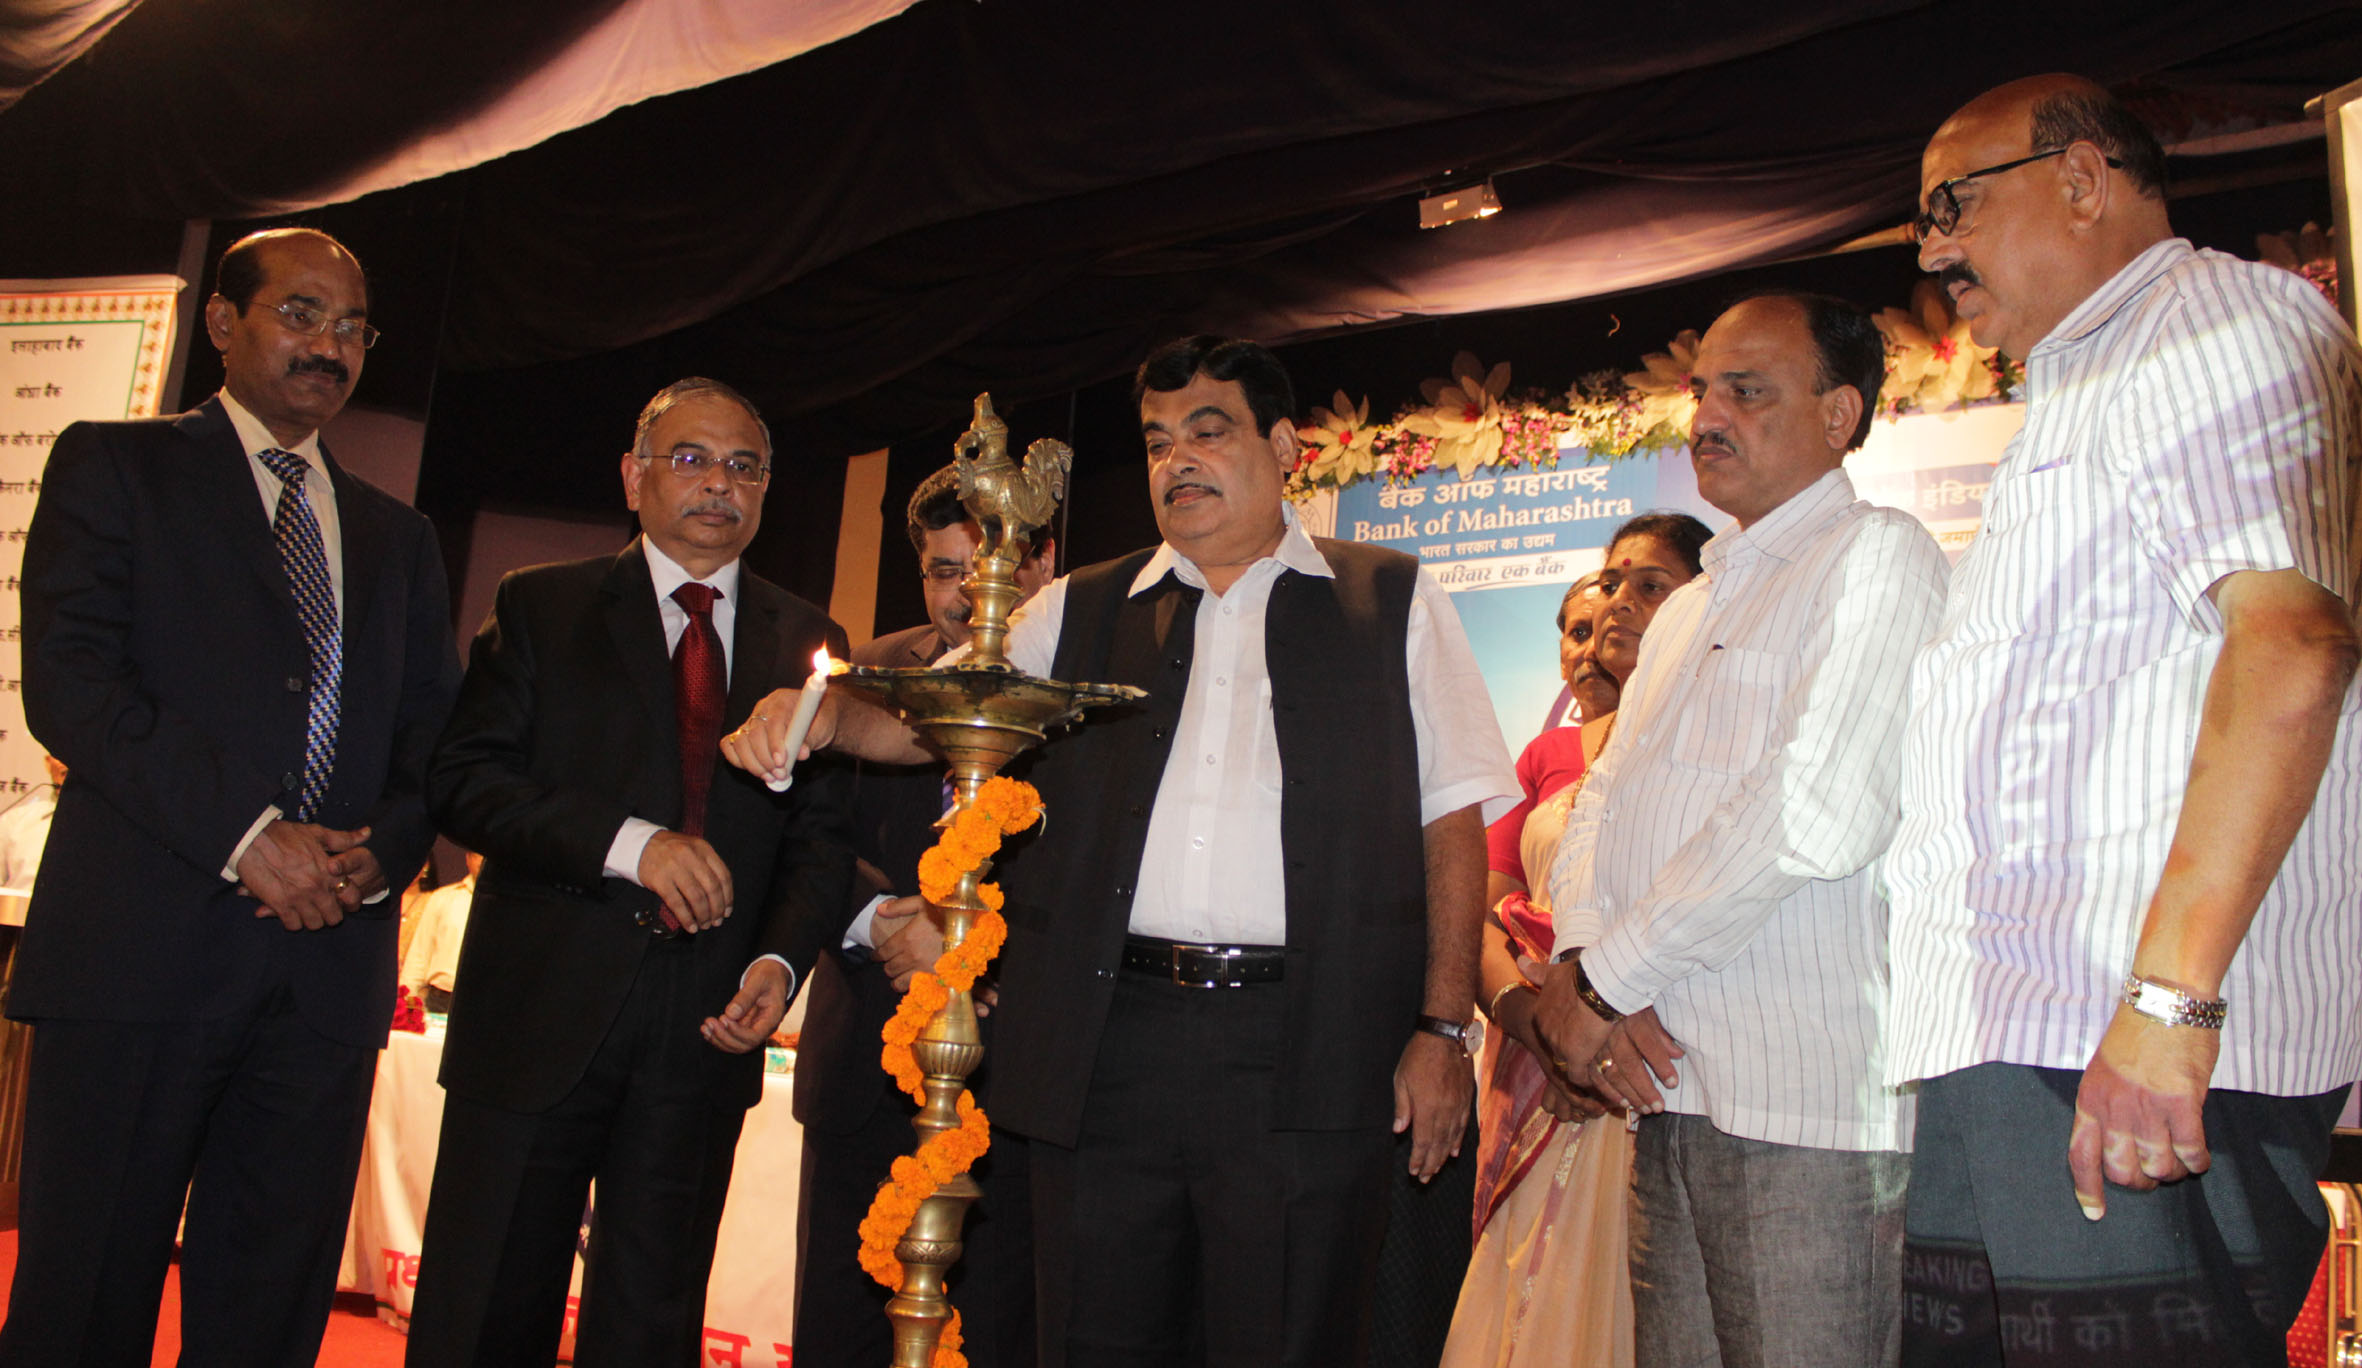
point(807, 704)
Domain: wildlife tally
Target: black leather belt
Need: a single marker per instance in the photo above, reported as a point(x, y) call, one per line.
point(1204, 966)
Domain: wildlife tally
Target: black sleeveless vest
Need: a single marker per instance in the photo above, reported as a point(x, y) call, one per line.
point(1352, 841)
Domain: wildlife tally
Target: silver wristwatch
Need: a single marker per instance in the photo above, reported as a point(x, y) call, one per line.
point(2172, 1006)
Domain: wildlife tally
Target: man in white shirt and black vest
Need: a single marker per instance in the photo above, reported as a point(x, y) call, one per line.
point(2126, 878)
point(1244, 954)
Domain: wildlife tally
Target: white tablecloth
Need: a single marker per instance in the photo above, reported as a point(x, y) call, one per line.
point(750, 1304)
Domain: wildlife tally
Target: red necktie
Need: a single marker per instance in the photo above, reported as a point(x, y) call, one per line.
point(699, 687)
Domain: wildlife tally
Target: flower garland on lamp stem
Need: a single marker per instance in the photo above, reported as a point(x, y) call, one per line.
point(1001, 807)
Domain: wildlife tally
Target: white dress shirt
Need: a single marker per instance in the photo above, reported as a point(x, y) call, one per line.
point(2195, 417)
point(1720, 861)
point(1212, 871)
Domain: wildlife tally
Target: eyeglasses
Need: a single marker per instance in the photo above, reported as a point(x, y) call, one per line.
point(693, 465)
point(1943, 205)
point(311, 322)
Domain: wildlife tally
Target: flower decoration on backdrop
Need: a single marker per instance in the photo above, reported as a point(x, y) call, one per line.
point(1662, 385)
point(1346, 439)
point(1472, 419)
point(1932, 363)
point(1463, 414)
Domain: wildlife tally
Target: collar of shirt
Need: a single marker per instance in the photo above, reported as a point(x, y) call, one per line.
point(257, 438)
point(1787, 530)
point(2121, 289)
point(667, 574)
point(1296, 552)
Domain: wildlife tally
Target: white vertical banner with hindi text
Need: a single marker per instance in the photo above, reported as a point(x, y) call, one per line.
point(69, 350)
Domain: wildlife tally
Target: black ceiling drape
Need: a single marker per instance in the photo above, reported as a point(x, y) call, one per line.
point(1026, 195)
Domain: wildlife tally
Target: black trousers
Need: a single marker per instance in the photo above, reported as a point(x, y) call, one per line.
point(1429, 1240)
point(2000, 1267)
point(257, 1119)
point(506, 1209)
point(1183, 1228)
point(841, 1310)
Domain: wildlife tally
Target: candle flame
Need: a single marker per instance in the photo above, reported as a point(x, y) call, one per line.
point(825, 664)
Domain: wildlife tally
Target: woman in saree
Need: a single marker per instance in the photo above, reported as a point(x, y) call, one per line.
point(1548, 1280)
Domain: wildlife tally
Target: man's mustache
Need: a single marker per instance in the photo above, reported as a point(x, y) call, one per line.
point(960, 611)
point(1190, 484)
point(325, 365)
point(1959, 273)
point(717, 504)
point(1716, 446)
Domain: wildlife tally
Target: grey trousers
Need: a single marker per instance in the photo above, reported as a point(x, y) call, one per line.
point(1747, 1254)
point(2001, 1268)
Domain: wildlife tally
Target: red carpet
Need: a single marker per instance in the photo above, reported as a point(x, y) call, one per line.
point(356, 1338)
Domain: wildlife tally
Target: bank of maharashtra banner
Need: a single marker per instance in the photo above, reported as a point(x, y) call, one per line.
point(69, 350)
point(1508, 542)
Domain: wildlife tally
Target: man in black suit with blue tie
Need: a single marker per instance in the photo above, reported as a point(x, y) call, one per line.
point(244, 655)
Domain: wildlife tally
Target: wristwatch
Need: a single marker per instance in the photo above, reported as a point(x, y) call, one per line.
point(1468, 1035)
point(2172, 1006)
point(1590, 995)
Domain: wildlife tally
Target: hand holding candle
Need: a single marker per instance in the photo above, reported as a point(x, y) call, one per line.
point(807, 706)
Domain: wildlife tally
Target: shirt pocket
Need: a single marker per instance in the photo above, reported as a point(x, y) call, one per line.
point(2021, 497)
point(1728, 721)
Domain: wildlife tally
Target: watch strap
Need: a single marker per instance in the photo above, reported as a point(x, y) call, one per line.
point(1468, 1035)
point(1590, 995)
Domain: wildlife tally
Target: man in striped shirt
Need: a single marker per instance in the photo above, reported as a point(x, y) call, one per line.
point(1717, 873)
point(2133, 782)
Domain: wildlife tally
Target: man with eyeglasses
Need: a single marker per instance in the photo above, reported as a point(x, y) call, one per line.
point(244, 654)
point(2124, 885)
point(854, 1123)
point(642, 919)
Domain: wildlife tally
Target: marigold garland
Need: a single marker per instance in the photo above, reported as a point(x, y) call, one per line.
point(1001, 807)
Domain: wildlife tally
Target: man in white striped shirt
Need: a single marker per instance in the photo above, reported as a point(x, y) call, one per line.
point(1717, 873)
point(2128, 960)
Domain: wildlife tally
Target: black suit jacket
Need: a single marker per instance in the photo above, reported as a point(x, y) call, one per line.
point(564, 727)
point(838, 1079)
point(165, 665)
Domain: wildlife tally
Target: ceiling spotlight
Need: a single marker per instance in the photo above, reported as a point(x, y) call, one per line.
point(1454, 206)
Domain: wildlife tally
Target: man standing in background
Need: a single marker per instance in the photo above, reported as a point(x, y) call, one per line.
point(854, 1123)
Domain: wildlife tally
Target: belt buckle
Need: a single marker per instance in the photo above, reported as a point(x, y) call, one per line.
point(1221, 954)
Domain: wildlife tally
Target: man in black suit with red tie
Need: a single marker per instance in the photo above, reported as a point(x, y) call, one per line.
point(641, 921)
point(243, 654)
point(854, 1124)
